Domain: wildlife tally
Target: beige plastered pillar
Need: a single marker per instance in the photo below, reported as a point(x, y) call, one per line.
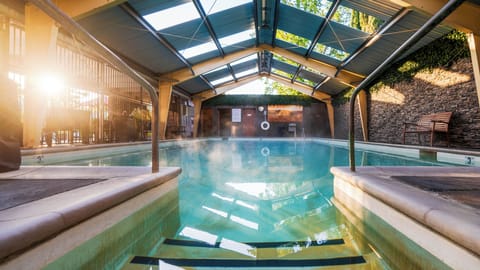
point(474, 44)
point(164, 96)
point(40, 38)
point(362, 107)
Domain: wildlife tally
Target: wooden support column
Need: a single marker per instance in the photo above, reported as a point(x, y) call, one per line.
point(197, 106)
point(198, 99)
point(40, 38)
point(164, 96)
point(474, 44)
point(4, 42)
point(331, 118)
point(362, 106)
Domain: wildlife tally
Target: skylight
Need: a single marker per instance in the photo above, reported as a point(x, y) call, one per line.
point(222, 80)
point(169, 17)
point(282, 73)
point(356, 19)
point(320, 8)
point(246, 72)
point(285, 60)
point(237, 38)
point(314, 71)
point(305, 81)
point(217, 69)
point(198, 50)
point(215, 6)
point(245, 59)
point(330, 52)
point(293, 39)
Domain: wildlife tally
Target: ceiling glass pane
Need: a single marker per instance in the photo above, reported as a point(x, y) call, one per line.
point(317, 7)
point(292, 39)
point(314, 71)
point(330, 52)
point(169, 17)
point(282, 73)
point(198, 50)
point(237, 38)
point(285, 60)
point(356, 19)
point(217, 69)
point(222, 80)
point(245, 59)
point(247, 72)
point(305, 81)
point(215, 6)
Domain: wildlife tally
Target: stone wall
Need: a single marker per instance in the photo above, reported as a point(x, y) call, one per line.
point(442, 89)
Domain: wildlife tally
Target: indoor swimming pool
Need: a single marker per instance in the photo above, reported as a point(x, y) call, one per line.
point(264, 204)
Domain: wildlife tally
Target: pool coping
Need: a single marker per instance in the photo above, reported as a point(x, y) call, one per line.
point(27, 225)
point(373, 186)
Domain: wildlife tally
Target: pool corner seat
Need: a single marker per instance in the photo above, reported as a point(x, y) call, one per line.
point(447, 229)
point(28, 225)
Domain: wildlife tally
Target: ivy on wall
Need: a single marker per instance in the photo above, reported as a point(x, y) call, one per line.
point(439, 53)
point(257, 100)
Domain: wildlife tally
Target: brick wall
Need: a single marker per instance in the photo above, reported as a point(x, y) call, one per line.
point(442, 89)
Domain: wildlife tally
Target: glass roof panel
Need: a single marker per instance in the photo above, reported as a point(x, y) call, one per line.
point(330, 52)
point(314, 71)
point(222, 80)
point(215, 6)
point(245, 59)
point(317, 7)
point(282, 73)
point(217, 69)
point(169, 17)
point(247, 72)
point(237, 38)
point(356, 19)
point(285, 60)
point(199, 49)
point(293, 39)
point(305, 81)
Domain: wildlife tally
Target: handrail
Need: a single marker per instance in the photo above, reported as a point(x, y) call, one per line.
point(427, 27)
point(73, 27)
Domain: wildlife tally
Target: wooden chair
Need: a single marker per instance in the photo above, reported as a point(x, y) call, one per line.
point(431, 123)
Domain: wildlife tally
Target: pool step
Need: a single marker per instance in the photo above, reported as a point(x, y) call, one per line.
point(231, 254)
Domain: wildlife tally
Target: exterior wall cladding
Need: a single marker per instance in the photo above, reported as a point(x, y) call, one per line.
point(442, 89)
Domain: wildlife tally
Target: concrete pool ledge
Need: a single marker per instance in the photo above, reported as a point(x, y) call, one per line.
point(26, 225)
point(376, 189)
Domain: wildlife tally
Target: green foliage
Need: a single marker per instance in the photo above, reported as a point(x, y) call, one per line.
point(439, 53)
point(280, 89)
point(257, 100)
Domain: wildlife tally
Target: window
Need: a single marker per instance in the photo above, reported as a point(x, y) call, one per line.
point(293, 39)
point(214, 6)
point(169, 17)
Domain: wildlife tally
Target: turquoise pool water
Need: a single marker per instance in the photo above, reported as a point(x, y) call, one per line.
point(263, 201)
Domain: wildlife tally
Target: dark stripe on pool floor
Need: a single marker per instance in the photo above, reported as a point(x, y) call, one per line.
point(249, 263)
point(191, 243)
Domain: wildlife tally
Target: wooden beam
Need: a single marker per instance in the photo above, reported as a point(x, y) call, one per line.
point(164, 96)
point(208, 94)
point(84, 8)
point(362, 106)
point(465, 18)
point(40, 37)
point(301, 88)
point(349, 78)
point(186, 74)
point(197, 106)
point(474, 44)
point(331, 118)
